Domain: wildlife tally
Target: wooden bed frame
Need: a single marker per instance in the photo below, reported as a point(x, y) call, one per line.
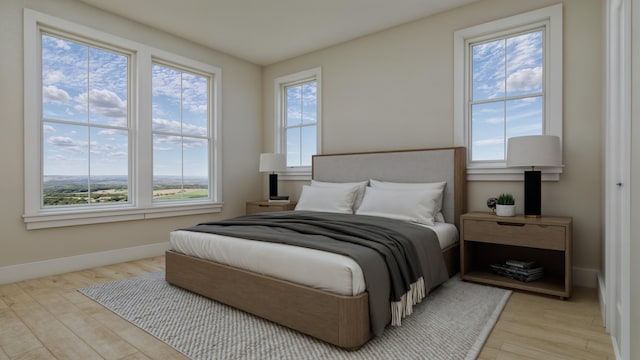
point(339, 320)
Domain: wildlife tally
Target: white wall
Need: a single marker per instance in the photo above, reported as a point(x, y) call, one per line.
point(241, 136)
point(394, 90)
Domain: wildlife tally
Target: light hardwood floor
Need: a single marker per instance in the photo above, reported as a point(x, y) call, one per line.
point(48, 319)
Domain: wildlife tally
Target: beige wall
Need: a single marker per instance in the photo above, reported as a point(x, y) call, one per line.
point(389, 90)
point(394, 90)
point(634, 276)
point(241, 136)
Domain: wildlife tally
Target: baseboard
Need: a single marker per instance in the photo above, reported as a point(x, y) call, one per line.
point(38, 269)
point(602, 297)
point(616, 350)
point(585, 277)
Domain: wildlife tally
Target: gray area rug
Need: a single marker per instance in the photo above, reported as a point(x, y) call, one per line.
point(453, 322)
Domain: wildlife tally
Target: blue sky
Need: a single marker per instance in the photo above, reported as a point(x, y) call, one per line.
point(179, 105)
point(506, 93)
point(301, 110)
point(84, 84)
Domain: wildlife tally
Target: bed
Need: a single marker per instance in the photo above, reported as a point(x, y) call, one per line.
point(341, 319)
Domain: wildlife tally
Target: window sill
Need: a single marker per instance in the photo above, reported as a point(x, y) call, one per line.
point(508, 174)
point(74, 217)
point(295, 175)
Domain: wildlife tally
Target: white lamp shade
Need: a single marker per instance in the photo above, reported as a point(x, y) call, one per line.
point(272, 162)
point(536, 151)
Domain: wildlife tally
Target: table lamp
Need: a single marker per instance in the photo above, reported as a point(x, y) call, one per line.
point(533, 152)
point(272, 163)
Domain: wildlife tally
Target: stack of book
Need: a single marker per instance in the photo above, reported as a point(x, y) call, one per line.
point(522, 270)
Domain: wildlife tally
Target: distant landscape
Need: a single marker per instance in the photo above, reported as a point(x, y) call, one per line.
point(73, 190)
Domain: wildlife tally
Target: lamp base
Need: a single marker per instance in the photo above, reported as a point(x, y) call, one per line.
point(273, 185)
point(532, 193)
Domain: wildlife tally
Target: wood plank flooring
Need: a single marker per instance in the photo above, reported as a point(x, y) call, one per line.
point(48, 319)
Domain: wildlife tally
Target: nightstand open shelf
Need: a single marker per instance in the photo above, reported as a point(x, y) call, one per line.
point(487, 239)
point(546, 285)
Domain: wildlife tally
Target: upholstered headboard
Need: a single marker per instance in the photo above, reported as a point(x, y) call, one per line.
point(421, 165)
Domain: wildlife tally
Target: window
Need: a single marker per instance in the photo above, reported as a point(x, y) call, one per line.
point(298, 121)
point(115, 130)
point(85, 124)
point(180, 134)
point(506, 92)
point(508, 82)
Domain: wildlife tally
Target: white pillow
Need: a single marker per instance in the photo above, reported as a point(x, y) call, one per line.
point(360, 188)
point(440, 185)
point(329, 199)
point(415, 206)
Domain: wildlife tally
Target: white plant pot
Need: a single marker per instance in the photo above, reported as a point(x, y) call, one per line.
point(506, 210)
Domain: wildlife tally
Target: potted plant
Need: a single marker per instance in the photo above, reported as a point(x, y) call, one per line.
point(505, 205)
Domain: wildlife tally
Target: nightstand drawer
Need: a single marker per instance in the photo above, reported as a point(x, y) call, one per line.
point(516, 233)
point(255, 207)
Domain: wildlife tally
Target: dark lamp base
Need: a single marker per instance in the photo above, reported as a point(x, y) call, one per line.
point(273, 185)
point(532, 193)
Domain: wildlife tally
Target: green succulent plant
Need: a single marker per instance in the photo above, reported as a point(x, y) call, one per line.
point(506, 199)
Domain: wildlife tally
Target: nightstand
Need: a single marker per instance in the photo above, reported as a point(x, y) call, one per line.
point(254, 207)
point(487, 239)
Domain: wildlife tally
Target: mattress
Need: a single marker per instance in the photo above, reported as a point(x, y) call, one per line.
point(318, 269)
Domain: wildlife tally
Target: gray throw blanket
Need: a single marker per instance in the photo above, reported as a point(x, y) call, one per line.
point(400, 262)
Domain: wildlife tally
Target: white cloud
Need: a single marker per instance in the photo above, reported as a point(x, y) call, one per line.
point(192, 142)
point(68, 66)
point(165, 125)
point(181, 88)
point(61, 44)
point(57, 157)
point(528, 129)
point(53, 94)
point(118, 154)
point(166, 82)
point(524, 50)
point(186, 142)
point(105, 103)
point(198, 108)
point(492, 141)
point(526, 115)
point(527, 79)
point(523, 56)
point(67, 143)
point(494, 120)
point(63, 141)
point(111, 132)
point(48, 129)
point(175, 127)
point(52, 77)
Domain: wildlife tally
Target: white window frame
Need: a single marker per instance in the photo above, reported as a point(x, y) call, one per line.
point(551, 19)
point(298, 172)
point(141, 205)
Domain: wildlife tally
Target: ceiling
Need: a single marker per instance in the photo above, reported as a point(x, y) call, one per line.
point(268, 31)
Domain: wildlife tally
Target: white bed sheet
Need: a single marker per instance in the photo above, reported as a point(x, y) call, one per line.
point(318, 269)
